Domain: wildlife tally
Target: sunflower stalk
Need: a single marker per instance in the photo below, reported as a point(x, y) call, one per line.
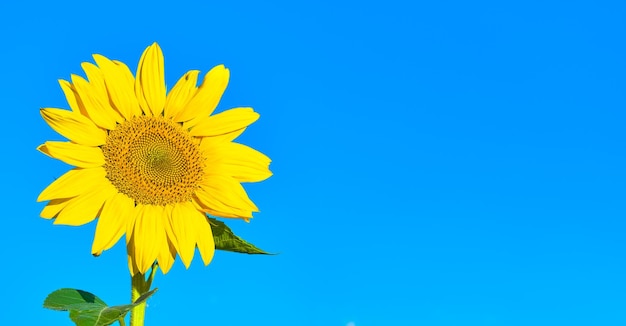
point(140, 285)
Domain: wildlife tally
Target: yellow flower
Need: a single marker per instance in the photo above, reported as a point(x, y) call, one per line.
point(149, 164)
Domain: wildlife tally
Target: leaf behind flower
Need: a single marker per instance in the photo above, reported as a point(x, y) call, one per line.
point(225, 239)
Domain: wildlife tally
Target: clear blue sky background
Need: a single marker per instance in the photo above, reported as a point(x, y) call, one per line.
point(436, 163)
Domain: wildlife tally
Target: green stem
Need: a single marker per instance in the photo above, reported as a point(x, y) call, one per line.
point(138, 313)
point(140, 286)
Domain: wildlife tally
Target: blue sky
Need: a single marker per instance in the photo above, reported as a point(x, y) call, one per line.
point(444, 163)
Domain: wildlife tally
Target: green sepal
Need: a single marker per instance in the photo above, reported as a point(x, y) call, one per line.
point(226, 240)
point(86, 309)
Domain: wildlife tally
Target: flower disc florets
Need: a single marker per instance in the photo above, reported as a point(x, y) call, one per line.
point(153, 161)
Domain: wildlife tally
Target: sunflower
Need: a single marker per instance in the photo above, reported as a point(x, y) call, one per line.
point(150, 164)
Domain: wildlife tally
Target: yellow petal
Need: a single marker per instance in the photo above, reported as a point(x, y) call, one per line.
point(54, 207)
point(98, 88)
point(207, 142)
point(167, 255)
point(211, 205)
point(128, 75)
point(85, 207)
point(183, 225)
point(166, 260)
point(238, 161)
point(116, 213)
point(167, 223)
point(150, 83)
point(207, 96)
point(197, 203)
point(73, 154)
point(160, 237)
point(228, 191)
point(73, 183)
point(224, 122)
point(225, 194)
point(120, 84)
point(97, 108)
point(148, 235)
point(74, 126)
point(130, 226)
point(206, 244)
point(70, 95)
point(181, 93)
point(132, 256)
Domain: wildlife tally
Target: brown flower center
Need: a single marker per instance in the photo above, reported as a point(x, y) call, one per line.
point(153, 161)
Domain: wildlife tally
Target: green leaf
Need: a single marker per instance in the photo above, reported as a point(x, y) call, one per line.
point(88, 310)
point(65, 299)
point(226, 240)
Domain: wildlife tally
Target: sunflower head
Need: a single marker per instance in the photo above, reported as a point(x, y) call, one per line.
point(150, 164)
